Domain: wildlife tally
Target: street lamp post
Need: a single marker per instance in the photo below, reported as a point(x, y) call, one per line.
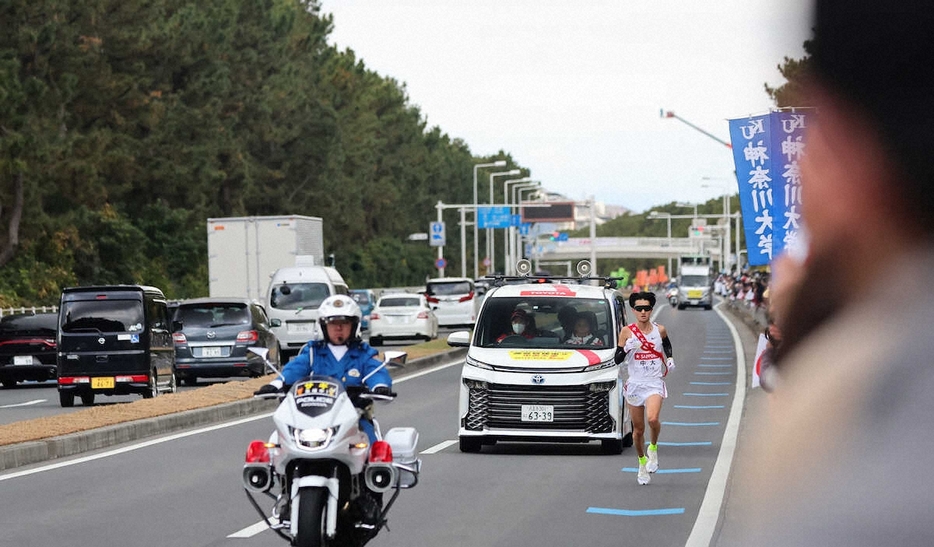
point(509, 254)
point(489, 231)
point(666, 216)
point(506, 232)
point(517, 237)
point(726, 216)
point(476, 220)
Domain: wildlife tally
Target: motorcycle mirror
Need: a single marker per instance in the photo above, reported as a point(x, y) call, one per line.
point(393, 358)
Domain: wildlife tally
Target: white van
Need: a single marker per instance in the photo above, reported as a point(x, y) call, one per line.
point(453, 299)
point(292, 302)
point(544, 384)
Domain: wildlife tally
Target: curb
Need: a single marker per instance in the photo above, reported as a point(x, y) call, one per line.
point(17, 455)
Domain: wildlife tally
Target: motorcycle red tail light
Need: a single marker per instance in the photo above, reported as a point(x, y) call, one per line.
point(466, 298)
point(257, 452)
point(381, 452)
point(248, 336)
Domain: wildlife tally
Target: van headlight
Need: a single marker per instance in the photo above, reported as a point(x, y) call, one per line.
point(610, 363)
point(478, 364)
point(313, 438)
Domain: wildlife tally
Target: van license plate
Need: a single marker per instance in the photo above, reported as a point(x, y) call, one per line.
point(538, 413)
point(102, 383)
point(211, 352)
point(22, 359)
point(301, 328)
point(695, 294)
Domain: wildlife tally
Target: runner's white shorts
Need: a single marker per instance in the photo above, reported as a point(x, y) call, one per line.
point(636, 393)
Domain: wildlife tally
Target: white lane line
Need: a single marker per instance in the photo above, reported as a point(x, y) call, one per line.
point(27, 403)
point(439, 447)
point(250, 531)
point(709, 513)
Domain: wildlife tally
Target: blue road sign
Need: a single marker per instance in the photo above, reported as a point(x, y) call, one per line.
point(436, 234)
point(494, 217)
point(441, 263)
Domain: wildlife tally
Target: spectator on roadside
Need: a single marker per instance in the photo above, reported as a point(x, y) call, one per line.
point(845, 445)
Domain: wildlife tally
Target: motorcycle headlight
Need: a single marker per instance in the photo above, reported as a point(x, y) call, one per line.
point(478, 364)
point(313, 438)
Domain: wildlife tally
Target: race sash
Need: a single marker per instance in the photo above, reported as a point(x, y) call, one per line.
point(648, 346)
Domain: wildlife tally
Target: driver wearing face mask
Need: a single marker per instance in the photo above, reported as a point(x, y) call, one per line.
point(522, 325)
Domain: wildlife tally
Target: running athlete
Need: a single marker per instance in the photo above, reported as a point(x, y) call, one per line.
point(641, 346)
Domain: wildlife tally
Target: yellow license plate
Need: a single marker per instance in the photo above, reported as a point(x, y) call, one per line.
point(102, 383)
point(695, 294)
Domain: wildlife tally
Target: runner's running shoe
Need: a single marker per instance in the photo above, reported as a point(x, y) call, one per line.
point(652, 465)
point(643, 477)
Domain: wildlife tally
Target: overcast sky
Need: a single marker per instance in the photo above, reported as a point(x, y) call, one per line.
point(573, 89)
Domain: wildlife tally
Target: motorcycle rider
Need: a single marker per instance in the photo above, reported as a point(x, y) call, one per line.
point(341, 354)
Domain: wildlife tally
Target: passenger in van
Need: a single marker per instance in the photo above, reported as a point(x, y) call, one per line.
point(342, 355)
point(522, 324)
point(567, 317)
point(583, 333)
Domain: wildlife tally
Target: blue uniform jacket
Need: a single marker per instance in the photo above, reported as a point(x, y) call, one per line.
point(316, 358)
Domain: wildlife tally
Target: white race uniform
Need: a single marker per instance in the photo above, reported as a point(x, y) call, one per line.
point(645, 371)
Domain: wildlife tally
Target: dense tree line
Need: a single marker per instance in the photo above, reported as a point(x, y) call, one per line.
point(125, 124)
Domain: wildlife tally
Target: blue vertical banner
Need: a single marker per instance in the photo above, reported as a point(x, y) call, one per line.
point(752, 155)
point(788, 144)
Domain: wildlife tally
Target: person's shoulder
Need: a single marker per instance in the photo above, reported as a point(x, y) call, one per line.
point(661, 329)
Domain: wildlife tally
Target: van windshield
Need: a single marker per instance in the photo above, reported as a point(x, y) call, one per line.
point(694, 281)
point(294, 296)
point(102, 316)
point(549, 322)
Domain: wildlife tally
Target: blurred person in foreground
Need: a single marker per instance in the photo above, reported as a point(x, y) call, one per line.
point(844, 452)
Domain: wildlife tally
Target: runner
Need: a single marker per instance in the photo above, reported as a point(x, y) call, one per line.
point(641, 347)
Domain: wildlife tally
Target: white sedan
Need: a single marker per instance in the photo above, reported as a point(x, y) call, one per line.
point(400, 316)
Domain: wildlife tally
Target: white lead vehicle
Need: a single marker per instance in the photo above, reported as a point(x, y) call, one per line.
point(545, 384)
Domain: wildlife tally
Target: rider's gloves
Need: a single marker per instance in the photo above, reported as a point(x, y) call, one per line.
point(267, 389)
point(382, 390)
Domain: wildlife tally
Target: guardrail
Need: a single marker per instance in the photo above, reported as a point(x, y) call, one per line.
point(28, 309)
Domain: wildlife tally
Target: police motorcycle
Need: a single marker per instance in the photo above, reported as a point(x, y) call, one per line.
point(326, 481)
point(672, 296)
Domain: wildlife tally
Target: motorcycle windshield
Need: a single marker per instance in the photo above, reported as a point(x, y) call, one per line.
point(317, 394)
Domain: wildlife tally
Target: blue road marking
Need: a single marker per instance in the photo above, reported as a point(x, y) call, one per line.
point(716, 358)
point(663, 471)
point(689, 424)
point(718, 351)
point(698, 407)
point(718, 347)
point(711, 383)
point(713, 373)
point(705, 394)
point(694, 443)
point(716, 366)
point(631, 513)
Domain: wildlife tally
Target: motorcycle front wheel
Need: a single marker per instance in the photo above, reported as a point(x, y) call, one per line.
point(312, 517)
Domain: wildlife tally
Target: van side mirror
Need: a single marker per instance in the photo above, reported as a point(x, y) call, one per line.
point(275, 322)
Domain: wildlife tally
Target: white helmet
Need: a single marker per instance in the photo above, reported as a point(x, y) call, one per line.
point(339, 306)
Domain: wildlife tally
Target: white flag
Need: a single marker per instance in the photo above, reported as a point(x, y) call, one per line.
point(760, 350)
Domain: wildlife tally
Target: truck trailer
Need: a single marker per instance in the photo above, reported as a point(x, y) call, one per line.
point(243, 252)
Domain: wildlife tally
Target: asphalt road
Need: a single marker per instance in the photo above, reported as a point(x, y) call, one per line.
point(185, 489)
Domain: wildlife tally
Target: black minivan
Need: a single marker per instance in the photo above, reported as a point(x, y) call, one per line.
point(114, 340)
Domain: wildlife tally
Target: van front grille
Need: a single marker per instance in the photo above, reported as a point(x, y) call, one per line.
point(576, 408)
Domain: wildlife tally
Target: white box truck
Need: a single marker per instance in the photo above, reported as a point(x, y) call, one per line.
point(243, 252)
point(695, 282)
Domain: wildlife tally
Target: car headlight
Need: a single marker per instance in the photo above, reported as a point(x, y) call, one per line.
point(478, 364)
point(313, 438)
